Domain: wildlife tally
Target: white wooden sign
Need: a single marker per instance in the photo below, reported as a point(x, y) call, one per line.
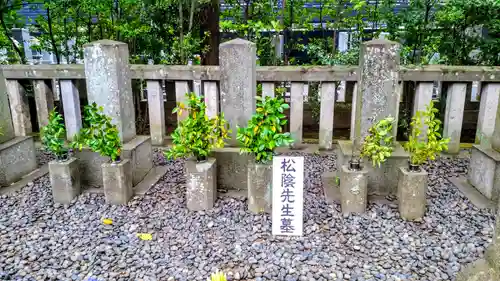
point(288, 195)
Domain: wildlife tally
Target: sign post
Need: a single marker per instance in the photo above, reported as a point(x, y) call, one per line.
point(288, 195)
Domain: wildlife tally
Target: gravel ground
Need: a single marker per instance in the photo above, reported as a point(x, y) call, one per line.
point(40, 240)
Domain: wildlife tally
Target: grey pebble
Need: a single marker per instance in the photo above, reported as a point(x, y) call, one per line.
point(46, 241)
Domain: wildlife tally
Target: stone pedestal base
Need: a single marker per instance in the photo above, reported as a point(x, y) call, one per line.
point(353, 190)
point(17, 159)
point(478, 271)
point(138, 151)
point(231, 168)
point(412, 187)
point(330, 183)
point(260, 178)
point(383, 180)
point(65, 180)
point(117, 182)
point(484, 171)
point(90, 167)
point(201, 188)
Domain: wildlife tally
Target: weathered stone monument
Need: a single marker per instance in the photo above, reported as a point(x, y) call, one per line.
point(17, 153)
point(238, 86)
point(108, 81)
point(377, 97)
point(484, 170)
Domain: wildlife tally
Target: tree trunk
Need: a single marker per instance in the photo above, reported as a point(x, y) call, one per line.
point(210, 22)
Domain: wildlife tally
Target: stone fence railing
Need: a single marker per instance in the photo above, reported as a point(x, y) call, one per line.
point(238, 75)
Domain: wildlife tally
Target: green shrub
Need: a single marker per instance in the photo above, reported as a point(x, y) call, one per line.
point(98, 133)
point(421, 150)
point(264, 131)
point(54, 135)
point(379, 143)
point(197, 135)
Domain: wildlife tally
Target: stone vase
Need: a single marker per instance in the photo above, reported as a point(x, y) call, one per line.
point(64, 179)
point(117, 182)
point(412, 188)
point(201, 187)
point(353, 190)
point(259, 185)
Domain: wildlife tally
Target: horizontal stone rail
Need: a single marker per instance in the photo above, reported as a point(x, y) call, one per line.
point(444, 73)
point(230, 88)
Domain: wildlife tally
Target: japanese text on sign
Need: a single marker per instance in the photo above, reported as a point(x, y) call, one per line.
point(288, 185)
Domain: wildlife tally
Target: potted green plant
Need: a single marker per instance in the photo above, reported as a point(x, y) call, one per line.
point(412, 181)
point(101, 136)
point(263, 134)
point(378, 145)
point(63, 171)
point(195, 138)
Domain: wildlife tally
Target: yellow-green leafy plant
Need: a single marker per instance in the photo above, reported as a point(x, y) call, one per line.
point(379, 143)
point(1, 131)
point(197, 135)
point(264, 132)
point(422, 149)
point(217, 276)
point(98, 133)
point(53, 136)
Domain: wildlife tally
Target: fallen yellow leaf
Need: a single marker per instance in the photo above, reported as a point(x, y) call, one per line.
point(107, 221)
point(145, 236)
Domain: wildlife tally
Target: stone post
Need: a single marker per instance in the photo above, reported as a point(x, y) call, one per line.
point(20, 110)
point(71, 106)
point(44, 100)
point(109, 83)
point(378, 92)
point(489, 100)
point(5, 116)
point(423, 97)
point(238, 84)
point(495, 138)
point(453, 117)
point(156, 112)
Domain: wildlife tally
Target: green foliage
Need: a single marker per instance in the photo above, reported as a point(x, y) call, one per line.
point(421, 150)
point(264, 131)
point(379, 143)
point(98, 133)
point(217, 276)
point(1, 131)
point(197, 134)
point(54, 134)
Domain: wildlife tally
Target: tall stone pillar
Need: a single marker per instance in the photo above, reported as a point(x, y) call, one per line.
point(377, 97)
point(238, 83)
point(107, 73)
point(109, 84)
point(238, 88)
point(378, 91)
